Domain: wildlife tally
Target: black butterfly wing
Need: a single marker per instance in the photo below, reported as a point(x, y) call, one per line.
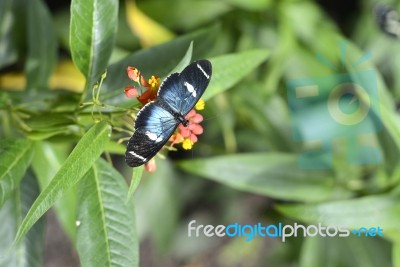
point(153, 128)
point(181, 91)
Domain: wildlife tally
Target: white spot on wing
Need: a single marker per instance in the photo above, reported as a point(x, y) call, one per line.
point(151, 135)
point(203, 71)
point(190, 88)
point(137, 156)
point(154, 137)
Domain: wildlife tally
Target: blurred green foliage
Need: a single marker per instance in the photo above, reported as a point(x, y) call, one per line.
point(56, 121)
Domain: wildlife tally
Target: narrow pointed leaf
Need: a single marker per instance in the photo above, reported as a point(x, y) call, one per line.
point(186, 60)
point(252, 5)
point(164, 206)
point(396, 254)
point(92, 35)
point(29, 252)
point(42, 46)
point(350, 251)
point(15, 157)
point(353, 213)
point(230, 69)
point(135, 181)
point(46, 163)
point(270, 174)
point(8, 51)
point(106, 222)
point(86, 152)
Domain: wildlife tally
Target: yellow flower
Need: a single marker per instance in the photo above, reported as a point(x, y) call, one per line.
point(187, 144)
point(154, 82)
point(200, 104)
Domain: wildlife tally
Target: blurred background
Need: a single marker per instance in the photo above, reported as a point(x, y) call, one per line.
point(253, 164)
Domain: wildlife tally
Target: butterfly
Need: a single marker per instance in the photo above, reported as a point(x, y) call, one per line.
point(157, 120)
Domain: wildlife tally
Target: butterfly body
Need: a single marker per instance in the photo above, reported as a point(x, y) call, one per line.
point(158, 120)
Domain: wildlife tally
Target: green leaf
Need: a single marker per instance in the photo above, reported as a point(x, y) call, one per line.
point(42, 46)
point(50, 121)
point(29, 252)
point(179, 17)
point(43, 135)
point(252, 5)
point(345, 252)
point(230, 69)
point(270, 174)
point(157, 200)
point(396, 254)
point(46, 163)
point(8, 53)
point(62, 20)
point(185, 60)
point(390, 120)
point(135, 181)
point(106, 222)
point(92, 35)
point(353, 213)
point(86, 152)
point(125, 39)
point(158, 60)
point(116, 148)
point(15, 157)
point(45, 125)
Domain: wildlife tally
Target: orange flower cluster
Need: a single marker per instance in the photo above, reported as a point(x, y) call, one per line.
point(151, 86)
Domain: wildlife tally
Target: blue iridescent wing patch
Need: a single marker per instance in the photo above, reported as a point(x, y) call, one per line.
point(157, 120)
point(153, 127)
